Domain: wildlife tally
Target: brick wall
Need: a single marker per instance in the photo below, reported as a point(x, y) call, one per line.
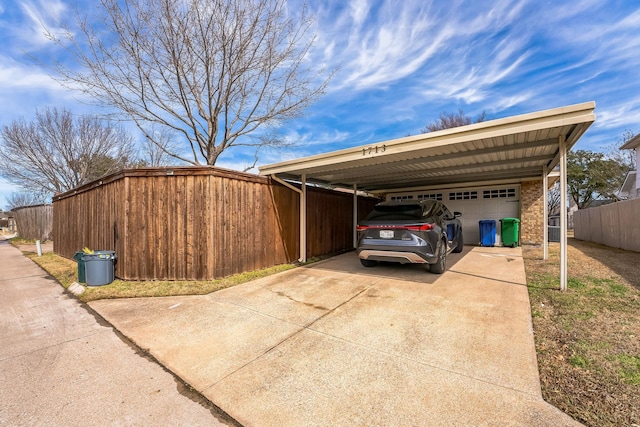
point(532, 212)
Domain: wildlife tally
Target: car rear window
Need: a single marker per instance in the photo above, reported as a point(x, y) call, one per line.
point(395, 212)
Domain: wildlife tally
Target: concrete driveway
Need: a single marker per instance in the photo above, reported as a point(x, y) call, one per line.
point(337, 344)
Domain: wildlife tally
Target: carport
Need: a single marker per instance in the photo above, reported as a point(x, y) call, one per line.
point(523, 148)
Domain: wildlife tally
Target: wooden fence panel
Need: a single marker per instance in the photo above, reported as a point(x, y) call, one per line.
point(34, 222)
point(198, 223)
point(91, 219)
point(330, 220)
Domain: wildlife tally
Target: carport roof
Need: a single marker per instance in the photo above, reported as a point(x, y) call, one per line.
point(513, 148)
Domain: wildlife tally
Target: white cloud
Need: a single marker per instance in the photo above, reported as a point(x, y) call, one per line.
point(389, 46)
point(393, 41)
point(624, 116)
point(359, 11)
point(14, 74)
point(42, 16)
point(310, 139)
point(505, 102)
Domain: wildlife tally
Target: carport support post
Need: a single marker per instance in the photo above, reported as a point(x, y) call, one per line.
point(563, 212)
point(545, 213)
point(355, 215)
point(303, 219)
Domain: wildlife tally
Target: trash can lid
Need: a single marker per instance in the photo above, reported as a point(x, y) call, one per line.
point(99, 255)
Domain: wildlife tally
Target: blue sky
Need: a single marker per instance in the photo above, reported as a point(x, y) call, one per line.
point(400, 64)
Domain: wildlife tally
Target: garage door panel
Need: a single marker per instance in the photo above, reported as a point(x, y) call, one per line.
point(475, 204)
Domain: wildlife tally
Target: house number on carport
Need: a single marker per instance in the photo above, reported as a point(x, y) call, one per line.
point(374, 150)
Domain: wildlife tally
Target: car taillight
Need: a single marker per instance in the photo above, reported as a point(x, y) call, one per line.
point(421, 227)
point(362, 228)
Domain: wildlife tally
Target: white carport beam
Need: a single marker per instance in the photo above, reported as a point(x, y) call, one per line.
point(279, 180)
point(545, 210)
point(303, 219)
point(355, 215)
point(562, 145)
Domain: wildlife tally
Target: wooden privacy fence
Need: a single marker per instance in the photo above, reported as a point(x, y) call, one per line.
point(614, 225)
point(34, 222)
point(198, 223)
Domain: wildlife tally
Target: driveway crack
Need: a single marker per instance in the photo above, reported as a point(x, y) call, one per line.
point(288, 337)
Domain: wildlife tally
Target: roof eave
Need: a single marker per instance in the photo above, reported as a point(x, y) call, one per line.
point(557, 117)
point(632, 143)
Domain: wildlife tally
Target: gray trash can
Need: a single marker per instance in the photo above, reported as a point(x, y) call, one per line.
point(99, 267)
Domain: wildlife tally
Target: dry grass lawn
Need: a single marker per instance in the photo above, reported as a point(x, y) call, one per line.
point(588, 338)
point(65, 271)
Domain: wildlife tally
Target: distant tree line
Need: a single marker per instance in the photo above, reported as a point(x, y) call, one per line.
point(57, 151)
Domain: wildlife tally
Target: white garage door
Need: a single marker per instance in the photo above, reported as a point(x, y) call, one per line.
point(476, 204)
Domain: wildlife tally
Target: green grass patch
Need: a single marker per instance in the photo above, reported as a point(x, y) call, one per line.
point(65, 271)
point(21, 241)
point(618, 289)
point(629, 370)
point(579, 361)
point(575, 283)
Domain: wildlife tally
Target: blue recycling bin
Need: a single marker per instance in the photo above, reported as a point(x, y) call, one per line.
point(487, 232)
point(450, 231)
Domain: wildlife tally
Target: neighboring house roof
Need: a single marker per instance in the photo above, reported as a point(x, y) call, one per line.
point(632, 143)
point(629, 184)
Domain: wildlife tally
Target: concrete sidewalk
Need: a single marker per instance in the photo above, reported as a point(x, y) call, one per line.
point(337, 344)
point(61, 365)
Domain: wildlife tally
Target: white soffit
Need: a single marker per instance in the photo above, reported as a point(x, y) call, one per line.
point(514, 148)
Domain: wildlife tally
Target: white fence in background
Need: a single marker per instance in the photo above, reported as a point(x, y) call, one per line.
point(616, 225)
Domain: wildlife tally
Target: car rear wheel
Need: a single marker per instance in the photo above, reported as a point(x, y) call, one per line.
point(460, 245)
point(441, 265)
point(368, 262)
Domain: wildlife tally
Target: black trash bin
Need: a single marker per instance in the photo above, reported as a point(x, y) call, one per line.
point(99, 267)
point(81, 275)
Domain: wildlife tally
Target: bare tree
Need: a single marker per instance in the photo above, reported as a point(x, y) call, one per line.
point(220, 73)
point(19, 200)
point(57, 152)
point(452, 120)
point(157, 152)
point(626, 158)
point(553, 200)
